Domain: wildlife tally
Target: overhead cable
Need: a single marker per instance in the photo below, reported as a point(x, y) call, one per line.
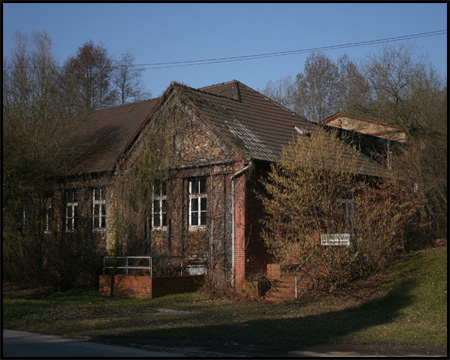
point(175, 64)
point(165, 65)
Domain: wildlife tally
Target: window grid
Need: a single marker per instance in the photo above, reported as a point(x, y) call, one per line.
point(348, 211)
point(197, 203)
point(159, 208)
point(71, 210)
point(48, 214)
point(99, 209)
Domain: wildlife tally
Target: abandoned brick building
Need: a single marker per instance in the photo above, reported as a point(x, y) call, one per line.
point(224, 138)
point(377, 139)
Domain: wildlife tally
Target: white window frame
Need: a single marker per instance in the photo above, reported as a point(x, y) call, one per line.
point(48, 214)
point(160, 198)
point(71, 203)
point(349, 211)
point(196, 195)
point(102, 211)
point(24, 218)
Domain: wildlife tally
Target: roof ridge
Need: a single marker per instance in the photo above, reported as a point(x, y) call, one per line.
point(116, 107)
point(218, 84)
point(200, 90)
point(234, 88)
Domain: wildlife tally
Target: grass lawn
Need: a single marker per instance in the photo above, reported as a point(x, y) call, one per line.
point(406, 306)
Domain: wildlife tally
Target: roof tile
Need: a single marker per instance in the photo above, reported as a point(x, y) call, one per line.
point(255, 124)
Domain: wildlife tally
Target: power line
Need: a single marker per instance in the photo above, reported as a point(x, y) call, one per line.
point(166, 65)
point(175, 64)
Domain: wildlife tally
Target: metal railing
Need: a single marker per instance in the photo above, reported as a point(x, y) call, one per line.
point(154, 265)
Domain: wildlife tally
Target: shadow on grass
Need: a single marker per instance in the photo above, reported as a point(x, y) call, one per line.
point(295, 333)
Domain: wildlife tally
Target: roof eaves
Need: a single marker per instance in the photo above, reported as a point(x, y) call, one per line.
point(362, 118)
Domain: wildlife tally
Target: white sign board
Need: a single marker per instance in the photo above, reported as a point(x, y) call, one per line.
point(196, 269)
point(334, 239)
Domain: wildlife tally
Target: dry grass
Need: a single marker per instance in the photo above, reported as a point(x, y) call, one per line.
point(406, 306)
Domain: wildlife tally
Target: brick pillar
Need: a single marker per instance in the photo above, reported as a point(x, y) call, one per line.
point(239, 229)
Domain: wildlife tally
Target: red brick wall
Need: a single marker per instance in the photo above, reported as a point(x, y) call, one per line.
point(166, 285)
point(196, 146)
point(273, 271)
point(146, 286)
point(239, 228)
point(126, 286)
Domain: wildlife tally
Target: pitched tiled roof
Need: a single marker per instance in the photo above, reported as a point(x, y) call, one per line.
point(258, 125)
point(103, 135)
point(255, 125)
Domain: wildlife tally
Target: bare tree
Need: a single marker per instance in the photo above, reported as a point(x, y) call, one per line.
point(397, 80)
point(405, 89)
point(317, 90)
point(324, 88)
point(35, 133)
point(127, 78)
point(353, 86)
point(281, 91)
point(394, 84)
point(30, 103)
point(87, 76)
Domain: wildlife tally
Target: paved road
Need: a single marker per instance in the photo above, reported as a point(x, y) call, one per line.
point(24, 344)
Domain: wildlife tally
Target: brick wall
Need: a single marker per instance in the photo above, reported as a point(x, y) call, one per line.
point(240, 224)
point(126, 286)
point(147, 287)
point(166, 285)
point(199, 154)
point(274, 271)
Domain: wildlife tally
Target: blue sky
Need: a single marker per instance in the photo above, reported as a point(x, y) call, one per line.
point(160, 33)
